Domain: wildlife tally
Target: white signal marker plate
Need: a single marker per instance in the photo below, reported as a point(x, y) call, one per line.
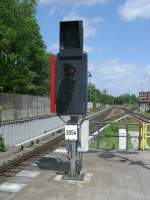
point(71, 132)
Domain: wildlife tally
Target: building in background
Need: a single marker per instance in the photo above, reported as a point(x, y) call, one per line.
point(144, 101)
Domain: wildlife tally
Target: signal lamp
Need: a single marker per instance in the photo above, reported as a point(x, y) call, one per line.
point(70, 70)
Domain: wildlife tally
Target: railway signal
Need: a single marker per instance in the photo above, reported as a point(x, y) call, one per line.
point(71, 38)
point(71, 88)
point(71, 85)
point(71, 71)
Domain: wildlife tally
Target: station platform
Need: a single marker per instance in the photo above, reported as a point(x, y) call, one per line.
point(108, 176)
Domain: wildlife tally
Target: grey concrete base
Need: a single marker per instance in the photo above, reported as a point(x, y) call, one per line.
point(82, 178)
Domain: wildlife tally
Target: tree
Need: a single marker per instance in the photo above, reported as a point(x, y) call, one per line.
point(93, 94)
point(23, 57)
point(97, 96)
point(126, 99)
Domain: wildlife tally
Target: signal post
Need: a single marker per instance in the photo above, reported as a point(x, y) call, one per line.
point(71, 86)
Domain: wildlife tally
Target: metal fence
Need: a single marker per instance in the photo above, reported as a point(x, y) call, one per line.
point(18, 106)
point(133, 139)
point(23, 130)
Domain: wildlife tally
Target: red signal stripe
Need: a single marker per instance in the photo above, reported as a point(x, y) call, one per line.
point(52, 83)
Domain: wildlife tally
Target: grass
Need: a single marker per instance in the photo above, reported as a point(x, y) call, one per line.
point(130, 127)
point(105, 141)
point(148, 142)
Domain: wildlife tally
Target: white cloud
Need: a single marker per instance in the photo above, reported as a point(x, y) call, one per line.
point(90, 25)
point(116, 76)
point(115, 70)
point(119, 77)
point(89, 49)
point(72, 2)
point(135, 9)
point(147, 71)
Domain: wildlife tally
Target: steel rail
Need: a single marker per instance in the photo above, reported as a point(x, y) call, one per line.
point(48, 145)
point(137, 115)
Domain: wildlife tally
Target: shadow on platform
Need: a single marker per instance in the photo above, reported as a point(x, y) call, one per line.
point(110, 156)
point(54, 163)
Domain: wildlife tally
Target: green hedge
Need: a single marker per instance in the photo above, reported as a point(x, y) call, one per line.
point(2, 144)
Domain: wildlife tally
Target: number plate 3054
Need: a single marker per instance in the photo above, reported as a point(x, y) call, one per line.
point(71, 132)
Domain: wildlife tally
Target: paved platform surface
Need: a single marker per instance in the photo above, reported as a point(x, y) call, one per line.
point(113, 176)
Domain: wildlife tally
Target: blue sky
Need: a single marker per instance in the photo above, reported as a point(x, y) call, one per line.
point(116, 37)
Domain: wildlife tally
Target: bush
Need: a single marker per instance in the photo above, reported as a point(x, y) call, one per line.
point(0, 113)
point(2, 144)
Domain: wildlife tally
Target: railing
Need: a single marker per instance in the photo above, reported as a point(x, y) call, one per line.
point(15, 132)
point(136, 136)
point(145, 144)
point(23, 130)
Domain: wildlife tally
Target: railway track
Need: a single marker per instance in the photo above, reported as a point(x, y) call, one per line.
point(143, 118)
point(12, 167)
point(106, 116)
